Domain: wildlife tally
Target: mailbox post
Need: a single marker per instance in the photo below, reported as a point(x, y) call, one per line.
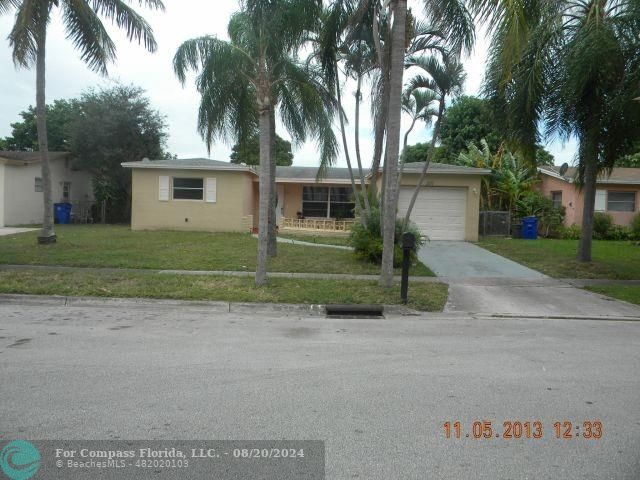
point(408, 244)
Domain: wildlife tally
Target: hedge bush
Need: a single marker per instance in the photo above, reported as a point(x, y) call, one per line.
point(602, 225)
point(635, 227)
point(367, 240)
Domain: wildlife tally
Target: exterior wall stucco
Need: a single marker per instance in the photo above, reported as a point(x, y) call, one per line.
point(229, 213)
point(23, 205)
point(573, 199)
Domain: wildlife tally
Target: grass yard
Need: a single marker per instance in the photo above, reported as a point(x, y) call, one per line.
point(423, 296)
point(322, 239)
point(119, 247)
point(557, 258)
point(628, 293)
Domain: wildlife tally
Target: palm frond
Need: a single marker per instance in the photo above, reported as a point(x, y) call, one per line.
point(88, 35)
point(127, 19)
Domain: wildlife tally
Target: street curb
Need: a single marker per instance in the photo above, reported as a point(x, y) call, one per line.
point(210, 306)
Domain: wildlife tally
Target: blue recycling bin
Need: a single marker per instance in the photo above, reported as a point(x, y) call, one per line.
point(530, 228)
point(62, 213)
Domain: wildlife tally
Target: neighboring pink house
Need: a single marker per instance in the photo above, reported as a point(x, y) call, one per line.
point(617, 194)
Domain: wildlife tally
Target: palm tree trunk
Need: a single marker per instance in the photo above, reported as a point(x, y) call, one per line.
point(47, 235)
point(380, 128)
point(347, 157)
point(363, 186)
point(423, 174)
point(264, 208)
point(272, 246)
point(589, 188)
point(404, 149)
point(393, 140)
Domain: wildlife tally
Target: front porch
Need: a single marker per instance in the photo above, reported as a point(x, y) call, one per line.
point(328, 225)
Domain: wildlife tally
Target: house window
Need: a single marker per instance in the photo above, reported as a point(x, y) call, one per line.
point(601, 200)
point(38, 185)
point(188, 189)
point(315, 202)
point(66, 191)
point(327, 202)
point(556, 198)
point(621, 201)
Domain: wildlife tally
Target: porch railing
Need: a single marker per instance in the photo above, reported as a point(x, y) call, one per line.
point(327, 224)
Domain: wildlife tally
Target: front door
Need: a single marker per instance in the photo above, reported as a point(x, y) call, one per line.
point(279, 204)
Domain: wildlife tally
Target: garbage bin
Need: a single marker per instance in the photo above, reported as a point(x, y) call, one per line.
point(530, 228)
point(516, 230)
point(62, 213)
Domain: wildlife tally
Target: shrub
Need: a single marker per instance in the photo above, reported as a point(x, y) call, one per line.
point(635, 227)
point(602, 224)
point(619, 232)
point(550, 218)
point(570, 233)
point(367, 240)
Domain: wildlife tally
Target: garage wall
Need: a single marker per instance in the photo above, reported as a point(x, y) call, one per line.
point(230, 212)
point(470, 182)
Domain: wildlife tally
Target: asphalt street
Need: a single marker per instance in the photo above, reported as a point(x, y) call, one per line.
point(378, 392)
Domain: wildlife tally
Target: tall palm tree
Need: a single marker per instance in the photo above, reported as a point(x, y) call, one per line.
point(396, 70)
point(570, 67)
point(83, 25)
point(243, 80)
point(446, 79)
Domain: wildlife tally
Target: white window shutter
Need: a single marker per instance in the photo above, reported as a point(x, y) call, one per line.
point(601, 200)
point(211, 190)
point(163, 188)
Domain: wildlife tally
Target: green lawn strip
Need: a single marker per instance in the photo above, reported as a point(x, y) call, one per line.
point(628, 293)
point(119, 247)
point(557, 258)
point(320, 239)
point(423, 296)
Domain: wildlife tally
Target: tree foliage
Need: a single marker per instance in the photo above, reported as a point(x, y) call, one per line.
point(24, 134)
point(248, 152)
point(468, 120)
point(113, 126)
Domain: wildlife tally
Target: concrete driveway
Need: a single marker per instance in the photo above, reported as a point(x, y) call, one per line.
point(483, 282)
point(12, 231)
point(466, 260)
point(376, 391)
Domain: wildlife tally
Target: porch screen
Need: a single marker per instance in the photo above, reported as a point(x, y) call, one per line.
point(327, 202)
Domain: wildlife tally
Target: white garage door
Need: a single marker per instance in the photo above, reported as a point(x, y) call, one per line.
point(440, 213)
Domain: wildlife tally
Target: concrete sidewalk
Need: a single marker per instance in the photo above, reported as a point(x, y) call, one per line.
point(4, 231)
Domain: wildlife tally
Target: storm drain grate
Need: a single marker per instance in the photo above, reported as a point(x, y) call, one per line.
point(354, 311)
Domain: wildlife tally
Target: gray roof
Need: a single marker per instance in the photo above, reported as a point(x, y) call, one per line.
point(188, 163)
point(306, 173)
point(415, 167)
point(618, 175)
point(296, 173)
point(17, 157)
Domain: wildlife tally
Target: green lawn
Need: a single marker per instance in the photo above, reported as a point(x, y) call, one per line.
point(423, 296)
point(322, 239)
point(119, 247)
point(557, 258)
point(628, 293)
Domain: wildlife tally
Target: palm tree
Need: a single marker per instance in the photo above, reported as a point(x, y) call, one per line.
point(396, 70)
point(445, 79)
point(243, 80)
point(570, 67)
point(81, 18)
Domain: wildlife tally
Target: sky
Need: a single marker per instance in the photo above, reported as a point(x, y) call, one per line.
point(68, 77)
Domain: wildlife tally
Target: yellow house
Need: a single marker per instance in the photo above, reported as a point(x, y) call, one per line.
point(209, 195)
